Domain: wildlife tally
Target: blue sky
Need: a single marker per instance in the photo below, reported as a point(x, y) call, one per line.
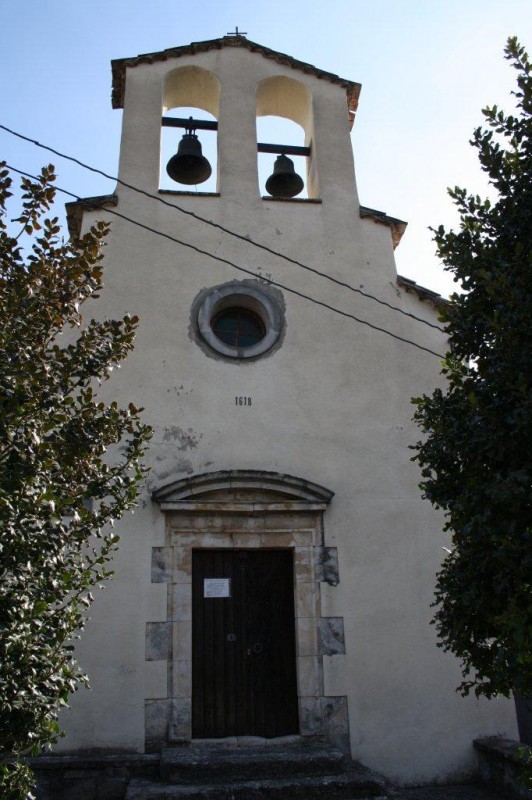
point(426, 69)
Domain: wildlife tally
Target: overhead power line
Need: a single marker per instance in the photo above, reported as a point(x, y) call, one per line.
point(240, 268)
point(230, 232)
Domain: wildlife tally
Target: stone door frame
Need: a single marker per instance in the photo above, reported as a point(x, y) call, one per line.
point(244, 509)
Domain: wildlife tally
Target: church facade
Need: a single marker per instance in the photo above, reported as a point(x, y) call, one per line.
point(277, 576)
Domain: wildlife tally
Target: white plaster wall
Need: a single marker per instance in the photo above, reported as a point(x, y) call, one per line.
point(332, 405)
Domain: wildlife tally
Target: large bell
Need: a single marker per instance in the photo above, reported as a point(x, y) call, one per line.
point(284, 181)
point(188, 165)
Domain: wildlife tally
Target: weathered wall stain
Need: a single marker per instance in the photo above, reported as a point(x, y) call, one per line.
point(186, 440)
point(172, 466)
point(167, 462)
point(180, 390)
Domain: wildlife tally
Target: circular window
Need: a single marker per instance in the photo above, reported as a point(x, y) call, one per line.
point(240, 320)
point(238, 327)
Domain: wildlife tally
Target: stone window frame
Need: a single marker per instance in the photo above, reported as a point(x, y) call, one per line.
point(248, 295)
point(244, 509)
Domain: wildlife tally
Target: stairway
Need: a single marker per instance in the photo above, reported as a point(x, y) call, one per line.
point(296, 770)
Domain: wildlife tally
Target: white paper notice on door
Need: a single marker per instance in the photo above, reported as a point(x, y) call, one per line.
point(217, 587)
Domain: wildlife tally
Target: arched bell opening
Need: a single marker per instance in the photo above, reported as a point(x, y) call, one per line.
point(189, 147)
point(285, 131)
point(189, 156)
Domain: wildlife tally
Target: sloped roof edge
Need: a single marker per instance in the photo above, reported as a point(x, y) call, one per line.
point(397, 226)
point(119, 66)
point(75, 209)
point(427, 295)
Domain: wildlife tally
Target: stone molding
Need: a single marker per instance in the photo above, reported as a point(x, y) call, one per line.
point(245, 509)
point(291, 489)
point(241, 294)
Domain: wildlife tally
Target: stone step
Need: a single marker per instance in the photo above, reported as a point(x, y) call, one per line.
point(346, 786)
point(189, 765)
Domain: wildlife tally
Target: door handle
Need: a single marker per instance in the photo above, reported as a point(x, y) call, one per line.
point(257, 648)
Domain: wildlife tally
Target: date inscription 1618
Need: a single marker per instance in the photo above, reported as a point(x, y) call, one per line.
point(242, 401)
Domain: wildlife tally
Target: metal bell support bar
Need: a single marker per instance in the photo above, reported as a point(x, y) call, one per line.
point(284, 182)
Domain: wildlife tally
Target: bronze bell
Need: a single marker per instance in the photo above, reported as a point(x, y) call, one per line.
point(188, 165)
point(284, 181)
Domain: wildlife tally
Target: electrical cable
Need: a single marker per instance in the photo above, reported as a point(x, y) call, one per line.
point(239, 268)
point(220, 227)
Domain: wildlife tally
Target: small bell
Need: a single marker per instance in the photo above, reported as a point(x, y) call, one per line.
point(189, 166)
point(284, 181)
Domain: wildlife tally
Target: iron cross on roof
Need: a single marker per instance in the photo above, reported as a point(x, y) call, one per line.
point(236, 32)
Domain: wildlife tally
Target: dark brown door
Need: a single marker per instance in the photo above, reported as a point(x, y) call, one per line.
point(243, 657)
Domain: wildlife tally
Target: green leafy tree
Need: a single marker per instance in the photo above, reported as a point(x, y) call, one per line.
point(69, 465)
point(476, 456)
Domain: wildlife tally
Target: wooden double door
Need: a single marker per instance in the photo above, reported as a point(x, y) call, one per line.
point(243, 644)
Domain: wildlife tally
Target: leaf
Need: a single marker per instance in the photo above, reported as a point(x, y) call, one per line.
point(475, 458)
point(62, 447)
